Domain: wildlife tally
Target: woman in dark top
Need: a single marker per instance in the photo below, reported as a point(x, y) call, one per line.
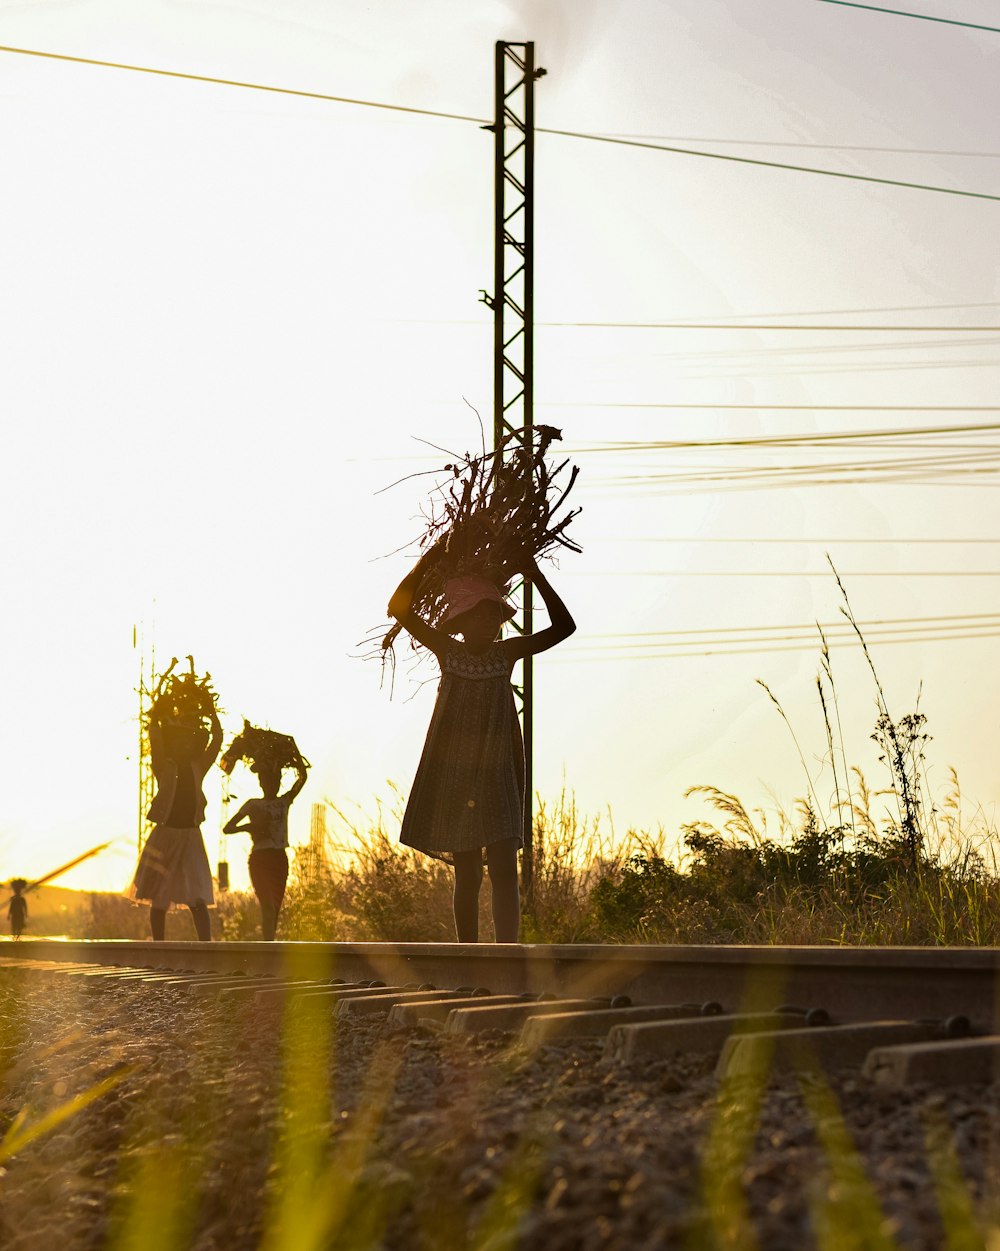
point(173, 867)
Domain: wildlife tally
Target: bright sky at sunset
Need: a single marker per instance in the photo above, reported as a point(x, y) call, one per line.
point(228, 315)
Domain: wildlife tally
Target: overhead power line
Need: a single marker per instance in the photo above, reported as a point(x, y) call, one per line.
point(901, 470)
point(750, 160)
point(902, 541)
point(920, 17)
point(751, 321)
point(791, 440)
point(944, 621)
point(861, 312)
point(732, 325)
point(751, 640)
point(579, 655)
point(777, 408)
point(789, 143)
point(699, 325)
point(707, 486)
point(235, 82)
point(464, 117)
point(779, 573)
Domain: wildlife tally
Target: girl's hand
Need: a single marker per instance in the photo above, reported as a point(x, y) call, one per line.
point(524, 562)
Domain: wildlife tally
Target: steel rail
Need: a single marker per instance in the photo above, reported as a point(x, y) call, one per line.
point(860, 983)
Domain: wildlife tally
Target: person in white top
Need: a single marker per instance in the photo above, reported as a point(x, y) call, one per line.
point(266, 821)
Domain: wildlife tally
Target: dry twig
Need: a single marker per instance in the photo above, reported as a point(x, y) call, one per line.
point(262, 750)
point(183, 696)
point(486, 513)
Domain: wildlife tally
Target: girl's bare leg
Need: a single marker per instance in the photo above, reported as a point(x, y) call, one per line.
point(502, 860)
point(202, 924)
point(268, 921)
point(468, 880)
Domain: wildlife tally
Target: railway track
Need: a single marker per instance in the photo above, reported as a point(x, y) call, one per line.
point(905, 1015)
point(593, 1099)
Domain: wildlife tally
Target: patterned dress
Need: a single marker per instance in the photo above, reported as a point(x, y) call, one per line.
point(469, 787)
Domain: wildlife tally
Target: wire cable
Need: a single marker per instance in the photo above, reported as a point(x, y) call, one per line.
point(865, 312)
point(901, 541)
point(235, 82)
point(746, 640)
point(749, 320)
point(749, 160)
point(791, 440)
point(851, 356)
point(788, 143)
point(577, 655)
point(640, 490)
point(696, 325)
point(921, 17)
point(779, 573)
point(464, 117)
point(777, 408)
point(850, 474)
point(944, 621)
point(484, 324)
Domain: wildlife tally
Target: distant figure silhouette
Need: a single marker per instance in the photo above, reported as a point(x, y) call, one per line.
point(173, 867)
point(467, 798)
point(266, 821)
point(17, 909)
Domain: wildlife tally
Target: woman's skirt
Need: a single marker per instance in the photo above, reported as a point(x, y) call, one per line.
point(173, 869)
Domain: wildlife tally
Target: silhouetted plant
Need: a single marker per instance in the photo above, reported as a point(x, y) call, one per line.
point(646, 891)
point(901, 743)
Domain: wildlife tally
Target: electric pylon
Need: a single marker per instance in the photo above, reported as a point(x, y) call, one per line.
point(512, 303)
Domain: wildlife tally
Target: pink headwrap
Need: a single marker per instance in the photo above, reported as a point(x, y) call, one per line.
point(465, 593)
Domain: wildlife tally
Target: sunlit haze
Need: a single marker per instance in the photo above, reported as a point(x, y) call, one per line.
point(230, 318)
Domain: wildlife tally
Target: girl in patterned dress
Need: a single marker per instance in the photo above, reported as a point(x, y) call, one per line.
point(467, 799)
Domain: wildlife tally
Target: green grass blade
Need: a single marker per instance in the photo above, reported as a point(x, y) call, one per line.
point(20, 1133)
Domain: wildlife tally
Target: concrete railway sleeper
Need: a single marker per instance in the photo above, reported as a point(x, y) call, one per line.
point(892, 1051)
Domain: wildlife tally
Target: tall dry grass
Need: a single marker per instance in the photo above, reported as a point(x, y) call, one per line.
point(734, 882)
point(742, 876)
point(885, 864)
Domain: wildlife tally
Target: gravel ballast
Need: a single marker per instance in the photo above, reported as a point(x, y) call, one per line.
point(225, 1128)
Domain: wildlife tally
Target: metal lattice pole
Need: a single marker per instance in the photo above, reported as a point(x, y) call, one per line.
point(147, 784)
point(513, 320)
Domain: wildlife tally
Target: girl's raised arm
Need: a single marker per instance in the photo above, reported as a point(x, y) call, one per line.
point(561, 623)
point(233, 826)
point(157, 750)
point(297, 785)
point(215, 741)
point(401, 607)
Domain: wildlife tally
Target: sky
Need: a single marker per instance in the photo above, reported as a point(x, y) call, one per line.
point(230, 318)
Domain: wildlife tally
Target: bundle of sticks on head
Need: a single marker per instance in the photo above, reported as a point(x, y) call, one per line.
point(263, 750)
point(487, 512)
point(183, 698)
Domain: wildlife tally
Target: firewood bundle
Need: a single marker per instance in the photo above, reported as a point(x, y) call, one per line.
point(263, 750)
point(489, 510)
point(183, 697)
